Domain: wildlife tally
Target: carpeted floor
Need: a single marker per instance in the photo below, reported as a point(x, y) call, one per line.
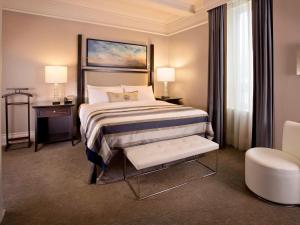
point(50, 187)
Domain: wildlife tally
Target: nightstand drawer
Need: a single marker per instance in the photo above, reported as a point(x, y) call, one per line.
point(53, 112)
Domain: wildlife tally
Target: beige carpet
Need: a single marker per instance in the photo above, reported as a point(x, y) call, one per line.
point(50, 187)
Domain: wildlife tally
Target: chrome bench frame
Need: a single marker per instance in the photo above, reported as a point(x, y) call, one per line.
point(165, 166)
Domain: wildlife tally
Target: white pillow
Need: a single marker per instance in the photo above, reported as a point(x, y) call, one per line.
point(98, 94)
point(145, 92)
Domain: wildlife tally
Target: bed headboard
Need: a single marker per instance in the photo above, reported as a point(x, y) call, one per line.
point(109, 76)
point(114, 79)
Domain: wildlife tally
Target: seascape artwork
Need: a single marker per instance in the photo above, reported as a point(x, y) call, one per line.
point(116, 54)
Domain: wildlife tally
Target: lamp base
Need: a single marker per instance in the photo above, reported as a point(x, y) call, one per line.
point(55, 103)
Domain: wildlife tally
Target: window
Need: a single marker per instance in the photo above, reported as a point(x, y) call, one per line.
point(239, 73)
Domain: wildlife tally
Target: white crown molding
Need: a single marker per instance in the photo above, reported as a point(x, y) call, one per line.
point(85, 21)
point(187, 23)
point(61, 9)
point(210, 4)
point(178, 7)
point(188, 28)
point(76, 13)
point(115, 9)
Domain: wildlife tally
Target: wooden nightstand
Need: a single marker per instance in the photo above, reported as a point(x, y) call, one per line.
point(53, 123)
point(172, 100)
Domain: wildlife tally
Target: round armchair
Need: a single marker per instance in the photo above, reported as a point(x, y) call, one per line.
point(273, 174)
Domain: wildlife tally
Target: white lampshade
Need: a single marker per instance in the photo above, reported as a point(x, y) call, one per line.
point(166, 74)
point(56, 74)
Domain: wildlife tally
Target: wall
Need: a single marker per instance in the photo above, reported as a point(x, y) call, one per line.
point(1, 196)
point(286, 83)
point(188, 53)
point(30, 42)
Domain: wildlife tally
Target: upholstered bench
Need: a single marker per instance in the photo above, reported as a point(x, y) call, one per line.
point(164, 152)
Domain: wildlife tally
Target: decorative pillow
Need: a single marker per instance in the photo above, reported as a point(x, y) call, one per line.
point(97, 94)
point(131, 96)
point(144, 92)
point(115, 97)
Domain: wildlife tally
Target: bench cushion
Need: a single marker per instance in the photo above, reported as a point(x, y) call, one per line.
point(157, 153)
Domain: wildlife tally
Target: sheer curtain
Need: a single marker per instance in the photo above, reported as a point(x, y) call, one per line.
point(239, 74)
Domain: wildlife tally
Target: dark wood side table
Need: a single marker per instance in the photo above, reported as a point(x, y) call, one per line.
point(53, 123)
point(173, 100)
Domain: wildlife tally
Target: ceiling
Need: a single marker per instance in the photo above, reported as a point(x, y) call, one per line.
point(163, 17)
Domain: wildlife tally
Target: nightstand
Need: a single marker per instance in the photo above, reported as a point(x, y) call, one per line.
point(53, 123)
point(172, 100)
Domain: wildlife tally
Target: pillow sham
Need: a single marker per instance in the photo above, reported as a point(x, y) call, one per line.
point(131, 96)
point(98, 94)
point(115, 97)
point(144, 92)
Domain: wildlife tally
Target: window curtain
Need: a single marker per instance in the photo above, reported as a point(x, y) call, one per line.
point(262, 22)
point(216, 71)
point(239, 75)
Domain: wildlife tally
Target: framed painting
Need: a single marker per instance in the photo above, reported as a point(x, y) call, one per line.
point(113, 54)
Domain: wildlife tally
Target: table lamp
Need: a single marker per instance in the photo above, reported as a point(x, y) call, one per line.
point(166, 74)
point(56, 75)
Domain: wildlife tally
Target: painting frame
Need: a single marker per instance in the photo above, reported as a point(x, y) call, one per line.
point(143, 66)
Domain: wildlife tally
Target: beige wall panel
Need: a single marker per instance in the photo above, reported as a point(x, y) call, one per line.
point(30, 42)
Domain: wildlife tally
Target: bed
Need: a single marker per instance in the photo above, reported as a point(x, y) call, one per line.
point(108, 127)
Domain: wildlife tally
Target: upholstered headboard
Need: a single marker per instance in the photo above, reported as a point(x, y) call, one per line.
point(115, 79)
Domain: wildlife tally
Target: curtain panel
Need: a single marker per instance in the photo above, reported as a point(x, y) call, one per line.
point(239, 75)
point(216, 71)
point(262, 28)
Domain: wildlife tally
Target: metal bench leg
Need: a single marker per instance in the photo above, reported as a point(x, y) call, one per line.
point(214, 171)
point(139, 187)
point(217, 160)
point(137, 192)
point(125, 167)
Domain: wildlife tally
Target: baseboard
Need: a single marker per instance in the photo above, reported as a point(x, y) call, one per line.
point(2, 216)
point(16, 135)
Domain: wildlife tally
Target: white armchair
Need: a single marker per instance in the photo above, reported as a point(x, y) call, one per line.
point(273, 174)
